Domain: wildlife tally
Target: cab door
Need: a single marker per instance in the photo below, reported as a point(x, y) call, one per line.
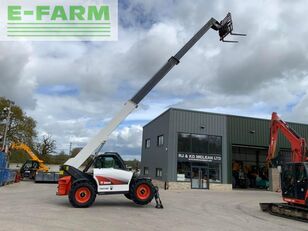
point(301, 181)
point(110, 175)
point(288, 185)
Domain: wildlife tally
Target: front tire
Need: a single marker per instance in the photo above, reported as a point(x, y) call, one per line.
point(143, 192)
point(82, 195)
point(128, 196)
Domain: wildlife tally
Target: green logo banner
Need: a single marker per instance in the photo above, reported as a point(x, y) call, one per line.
point(59, 20)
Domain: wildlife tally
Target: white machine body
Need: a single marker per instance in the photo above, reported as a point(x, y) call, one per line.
point(112, 180)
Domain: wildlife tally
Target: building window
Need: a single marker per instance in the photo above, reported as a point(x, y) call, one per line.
point(184, 142)
point(199, 151)
point(199, 143)
point(146, 171)
point(160, 140)
point(159, 172)
point(147, 143)
point(183, 171)
point(215, 172)
point(215, 145)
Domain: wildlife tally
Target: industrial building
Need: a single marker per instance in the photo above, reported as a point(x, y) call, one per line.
point(194, 149)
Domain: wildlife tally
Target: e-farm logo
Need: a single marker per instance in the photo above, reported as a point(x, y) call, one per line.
point(70, 20)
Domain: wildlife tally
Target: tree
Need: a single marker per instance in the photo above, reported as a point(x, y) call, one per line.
point(46, 146)
point(133, 163)
point(21, 128)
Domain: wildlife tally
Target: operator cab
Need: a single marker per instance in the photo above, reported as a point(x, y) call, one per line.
point(106, 160)
point(294, 184)
point(29, 168)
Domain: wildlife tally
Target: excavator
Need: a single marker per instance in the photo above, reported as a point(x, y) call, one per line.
point(106, 173)
point(31, 166)
point(294, 174)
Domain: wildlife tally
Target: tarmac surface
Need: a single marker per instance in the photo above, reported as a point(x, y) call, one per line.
point(30, 206)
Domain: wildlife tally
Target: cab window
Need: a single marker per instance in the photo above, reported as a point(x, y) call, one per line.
point(301, 174)
point(107, 162)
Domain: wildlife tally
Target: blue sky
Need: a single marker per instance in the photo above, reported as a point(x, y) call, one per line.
point(73, 88)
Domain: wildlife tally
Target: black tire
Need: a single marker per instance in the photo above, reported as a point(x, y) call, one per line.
point(32, 175)
point(142, 192)
point(82, 194)
point(128, 196)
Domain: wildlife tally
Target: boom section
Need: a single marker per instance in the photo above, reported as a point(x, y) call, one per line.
point(298, 144)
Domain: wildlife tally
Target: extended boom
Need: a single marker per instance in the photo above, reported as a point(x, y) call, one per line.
point(106, 173)
point(95, 144)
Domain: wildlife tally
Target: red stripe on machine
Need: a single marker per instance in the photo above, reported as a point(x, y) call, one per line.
point(109, 181)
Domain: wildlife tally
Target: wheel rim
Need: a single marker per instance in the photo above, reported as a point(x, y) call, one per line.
point(82, 195)
point(143, 191)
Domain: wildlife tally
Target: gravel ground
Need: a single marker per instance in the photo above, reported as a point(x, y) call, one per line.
point(29, 206)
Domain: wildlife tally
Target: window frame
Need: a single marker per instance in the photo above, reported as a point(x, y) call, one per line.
point(159, 172)
point(116, 162)
point(160, 144)
point(146, 142)
point(146, 171)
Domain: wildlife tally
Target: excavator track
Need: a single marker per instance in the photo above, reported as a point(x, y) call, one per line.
point(286, 210)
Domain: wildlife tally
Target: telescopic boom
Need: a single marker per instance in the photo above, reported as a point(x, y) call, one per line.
point(224, 28)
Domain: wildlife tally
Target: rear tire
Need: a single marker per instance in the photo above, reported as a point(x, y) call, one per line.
point(82, 194)
point(143, 192)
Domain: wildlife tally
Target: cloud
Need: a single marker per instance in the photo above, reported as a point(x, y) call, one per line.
point(14, 58)
point(73, 88)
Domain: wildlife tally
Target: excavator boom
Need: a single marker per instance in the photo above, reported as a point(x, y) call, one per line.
point(298, 144)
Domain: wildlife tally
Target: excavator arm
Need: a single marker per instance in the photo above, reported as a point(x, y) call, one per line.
point(298, 144)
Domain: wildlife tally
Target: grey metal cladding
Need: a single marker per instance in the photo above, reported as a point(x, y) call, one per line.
point(248, 131)
point(156, 157)
point(256, 132)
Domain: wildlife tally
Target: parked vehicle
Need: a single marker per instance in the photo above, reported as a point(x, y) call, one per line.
point(294, 175)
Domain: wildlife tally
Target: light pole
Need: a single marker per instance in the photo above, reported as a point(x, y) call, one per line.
point(8, 118)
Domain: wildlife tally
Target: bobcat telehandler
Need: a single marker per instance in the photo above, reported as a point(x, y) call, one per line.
point(106, 173)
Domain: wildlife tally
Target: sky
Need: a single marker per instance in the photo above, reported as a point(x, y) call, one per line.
point(73, 88)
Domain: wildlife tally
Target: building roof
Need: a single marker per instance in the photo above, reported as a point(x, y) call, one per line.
point(213, 113)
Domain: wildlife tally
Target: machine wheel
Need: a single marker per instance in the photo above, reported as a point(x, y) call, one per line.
point(128, 196)
point(82, 195)
point(32, 175)
point(143, 192)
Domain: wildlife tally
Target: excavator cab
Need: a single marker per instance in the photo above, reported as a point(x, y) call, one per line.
point(294, 183)
point(29, 168)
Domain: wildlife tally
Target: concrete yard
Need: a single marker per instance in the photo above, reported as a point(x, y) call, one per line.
point(29, 206)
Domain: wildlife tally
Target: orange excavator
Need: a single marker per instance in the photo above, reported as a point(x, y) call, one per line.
point(294, 174)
